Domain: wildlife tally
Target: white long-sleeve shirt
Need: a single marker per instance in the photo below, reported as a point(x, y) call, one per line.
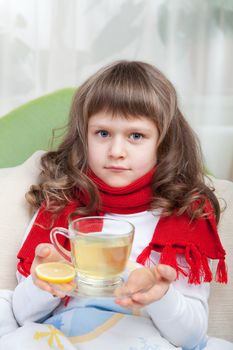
point(181, 315)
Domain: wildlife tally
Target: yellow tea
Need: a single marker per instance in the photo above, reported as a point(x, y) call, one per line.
point(100, 256)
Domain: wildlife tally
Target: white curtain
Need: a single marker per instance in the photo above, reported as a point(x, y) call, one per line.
point(50, 44)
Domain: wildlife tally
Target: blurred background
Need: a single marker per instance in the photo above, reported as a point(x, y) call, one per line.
point(47, 45)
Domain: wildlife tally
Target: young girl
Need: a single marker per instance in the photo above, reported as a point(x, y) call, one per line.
point(129, 153)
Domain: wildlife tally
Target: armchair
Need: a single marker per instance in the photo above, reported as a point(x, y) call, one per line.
point(27, 130)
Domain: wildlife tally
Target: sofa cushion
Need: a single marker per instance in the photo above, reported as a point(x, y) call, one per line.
point(221, 297)
point(14, 214)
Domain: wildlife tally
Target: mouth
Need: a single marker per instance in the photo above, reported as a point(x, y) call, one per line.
point(116, 168)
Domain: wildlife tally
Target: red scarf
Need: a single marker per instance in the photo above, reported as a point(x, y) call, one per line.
point(197, 240)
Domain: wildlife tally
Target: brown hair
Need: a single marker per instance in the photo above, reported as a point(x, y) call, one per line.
point(135, 89)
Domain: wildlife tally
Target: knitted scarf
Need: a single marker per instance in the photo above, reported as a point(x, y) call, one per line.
point(197, 239)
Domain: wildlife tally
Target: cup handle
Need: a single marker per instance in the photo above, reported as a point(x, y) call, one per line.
point(53, 237)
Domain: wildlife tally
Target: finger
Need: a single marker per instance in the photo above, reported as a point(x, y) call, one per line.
point(121, 291)
point(59, 294)
point(167, 272)
point(153, 294)
point(43, 250)
point(63, 289)
point(140, 279)
point(48, 288)
point(127, 303)
point(43, 285)
point(46, 252)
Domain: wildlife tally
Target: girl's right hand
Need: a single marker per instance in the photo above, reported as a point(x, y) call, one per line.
point(44, 253)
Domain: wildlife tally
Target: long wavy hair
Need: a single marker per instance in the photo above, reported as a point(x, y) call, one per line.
point(128, 88)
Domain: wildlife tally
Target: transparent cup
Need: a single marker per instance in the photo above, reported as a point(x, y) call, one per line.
point(100, 249)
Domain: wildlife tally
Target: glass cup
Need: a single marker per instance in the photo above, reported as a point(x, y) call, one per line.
point(100, 248)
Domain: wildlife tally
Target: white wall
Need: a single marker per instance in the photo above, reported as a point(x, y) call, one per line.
point(50, 44)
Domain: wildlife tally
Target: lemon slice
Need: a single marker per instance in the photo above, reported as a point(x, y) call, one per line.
point(55, 272)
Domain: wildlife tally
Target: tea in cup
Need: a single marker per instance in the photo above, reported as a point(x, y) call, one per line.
point(100, 248)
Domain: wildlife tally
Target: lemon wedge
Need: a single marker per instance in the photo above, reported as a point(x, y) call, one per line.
point(55, 272)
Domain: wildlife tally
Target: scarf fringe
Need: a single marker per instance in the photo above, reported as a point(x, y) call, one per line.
point(194, 260)
point(66, 300)
point(145, 254)
point(206, 272)
point(168, 257)
point(199, 270)
point(221, 272)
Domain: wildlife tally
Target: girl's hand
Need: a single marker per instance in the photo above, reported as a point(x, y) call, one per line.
point(44, 253)
point(144, 286)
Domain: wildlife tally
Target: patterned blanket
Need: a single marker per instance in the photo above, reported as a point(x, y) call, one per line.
point(85, 324)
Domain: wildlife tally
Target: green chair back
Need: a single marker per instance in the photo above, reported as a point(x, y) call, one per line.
point(29, 128)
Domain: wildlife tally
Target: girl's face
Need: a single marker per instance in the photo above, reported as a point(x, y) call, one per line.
point(121, 150)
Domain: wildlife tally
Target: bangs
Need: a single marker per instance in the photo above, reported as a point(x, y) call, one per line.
point(123, 90)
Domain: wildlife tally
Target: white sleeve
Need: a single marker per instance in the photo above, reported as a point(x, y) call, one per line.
point(182, 314)
point(31, 303)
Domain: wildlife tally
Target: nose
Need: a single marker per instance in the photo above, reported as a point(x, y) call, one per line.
point(117, 148)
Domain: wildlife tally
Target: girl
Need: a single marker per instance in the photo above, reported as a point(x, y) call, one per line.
point(130, 154)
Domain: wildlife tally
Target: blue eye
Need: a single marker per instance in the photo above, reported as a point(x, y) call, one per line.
point(103, 133)
point(136, 136)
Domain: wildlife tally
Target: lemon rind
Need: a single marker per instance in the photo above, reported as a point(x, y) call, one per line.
point(50, 279)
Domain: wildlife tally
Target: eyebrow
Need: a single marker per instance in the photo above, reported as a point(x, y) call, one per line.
point(139, 128)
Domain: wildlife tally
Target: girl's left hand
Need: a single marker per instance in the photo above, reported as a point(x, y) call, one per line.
point(144, 286)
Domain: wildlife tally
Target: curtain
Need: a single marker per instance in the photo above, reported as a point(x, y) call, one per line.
point(50, 44)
